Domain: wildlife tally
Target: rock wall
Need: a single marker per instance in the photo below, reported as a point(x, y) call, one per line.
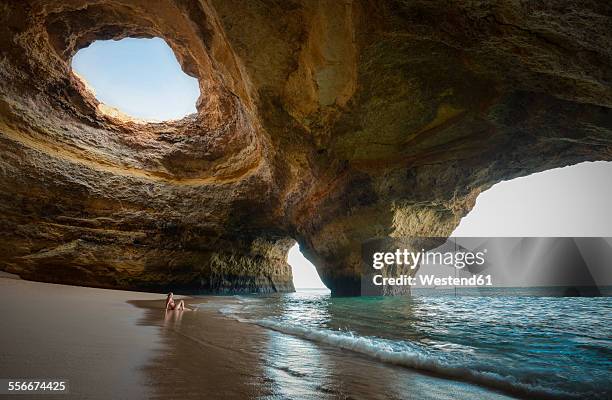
point(325, 122)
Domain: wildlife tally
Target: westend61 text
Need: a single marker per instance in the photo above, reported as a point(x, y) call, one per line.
point(432, 280)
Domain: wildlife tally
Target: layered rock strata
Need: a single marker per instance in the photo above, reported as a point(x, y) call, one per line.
point(323, 122)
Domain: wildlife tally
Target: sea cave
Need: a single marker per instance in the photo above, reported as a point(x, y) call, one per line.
point(322, 123)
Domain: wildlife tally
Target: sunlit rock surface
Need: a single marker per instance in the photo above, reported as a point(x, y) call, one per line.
point(327, 122)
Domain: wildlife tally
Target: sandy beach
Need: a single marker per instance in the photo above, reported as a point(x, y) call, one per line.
point(120, 345)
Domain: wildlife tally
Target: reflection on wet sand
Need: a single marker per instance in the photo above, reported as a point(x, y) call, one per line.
point(172, 318)
point(300, 369)
point(204, 355)
point(207, 355)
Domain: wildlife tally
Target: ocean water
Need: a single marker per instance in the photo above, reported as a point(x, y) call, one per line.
point(517, 341)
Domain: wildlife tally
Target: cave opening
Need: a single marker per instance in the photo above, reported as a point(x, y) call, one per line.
point(305, 275)
point(138, 79)
point(572, 201)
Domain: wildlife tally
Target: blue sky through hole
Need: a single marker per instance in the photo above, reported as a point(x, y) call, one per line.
point(139, 77)
point(142, 78)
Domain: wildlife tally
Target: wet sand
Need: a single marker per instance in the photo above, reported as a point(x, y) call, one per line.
point(119, 344)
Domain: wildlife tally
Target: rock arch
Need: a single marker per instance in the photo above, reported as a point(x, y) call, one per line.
point(327, 122)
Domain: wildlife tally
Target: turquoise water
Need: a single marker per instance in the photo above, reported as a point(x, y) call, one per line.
point(513, 340)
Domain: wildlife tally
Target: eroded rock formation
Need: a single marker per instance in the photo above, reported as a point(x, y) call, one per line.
point(325, 122)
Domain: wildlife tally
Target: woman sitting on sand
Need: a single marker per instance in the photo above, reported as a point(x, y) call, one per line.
point(171, 305)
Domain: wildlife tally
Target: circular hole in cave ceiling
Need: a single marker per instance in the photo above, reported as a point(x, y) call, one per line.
point(138, 79)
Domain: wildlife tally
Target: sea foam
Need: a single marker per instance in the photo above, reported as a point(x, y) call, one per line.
point(382, 350)
point(486, 359)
